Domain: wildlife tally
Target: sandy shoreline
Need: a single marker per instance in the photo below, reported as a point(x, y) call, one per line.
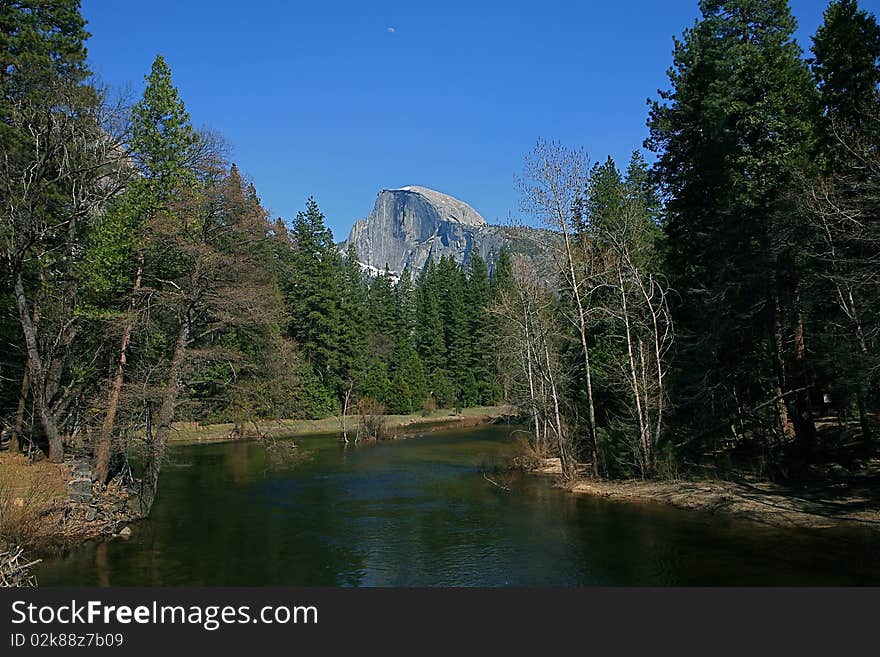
point(854, 504)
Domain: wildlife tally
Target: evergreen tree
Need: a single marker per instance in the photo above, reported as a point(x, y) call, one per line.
point(405, 295)
point(163, 146)
point(501, 285)
point(313, 294)
point(409, 383)
point(454, 315)
point(408, 387)
point(730, 134)
point(844, 202)
point(43, 45)
point(163, 143)
point(429, 337)
point(382, 317)
point(353, 339)
point(377, 382)
point(482, 358)
point(443, 389)
point(846, 67)
point(502, 275)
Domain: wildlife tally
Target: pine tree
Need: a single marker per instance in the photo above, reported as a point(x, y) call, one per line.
point(429, 334)
point(730, 134)
point(844, 204)
point(501, 285)
point(353, 338)
point(454, 315)
point(846, 54)
point(42, 45)
point(163, 146)
point(408, 386)
point(382, 317)
point(163, 143)
point(482, 358)
point(502, 275)
point(377, 382)
point(313, 294)
point(405, 296)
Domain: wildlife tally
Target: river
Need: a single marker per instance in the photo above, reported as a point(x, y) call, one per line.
point(419, 512)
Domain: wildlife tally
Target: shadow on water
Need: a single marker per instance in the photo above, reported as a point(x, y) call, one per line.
point(419, 512)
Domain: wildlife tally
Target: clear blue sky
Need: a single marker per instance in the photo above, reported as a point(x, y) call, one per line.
point(338, 100)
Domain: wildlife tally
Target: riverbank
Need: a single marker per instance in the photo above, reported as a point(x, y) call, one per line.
point(194, 433)
point(853, 501)
point(46, 506)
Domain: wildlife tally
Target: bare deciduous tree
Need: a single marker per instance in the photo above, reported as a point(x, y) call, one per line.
point(211, 281)
point(844, 212)
point(529, 340)
point(68, 164)
point(554, 182)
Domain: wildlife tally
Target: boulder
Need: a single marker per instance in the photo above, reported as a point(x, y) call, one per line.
point(80, 490)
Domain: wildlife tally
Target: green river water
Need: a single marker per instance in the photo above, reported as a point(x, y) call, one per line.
point(418, 512)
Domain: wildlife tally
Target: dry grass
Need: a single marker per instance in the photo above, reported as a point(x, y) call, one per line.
point(192, 432)
point(527, 454)
point(32, 496)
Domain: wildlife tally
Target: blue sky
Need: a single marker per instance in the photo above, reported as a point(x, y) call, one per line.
point(338, 100)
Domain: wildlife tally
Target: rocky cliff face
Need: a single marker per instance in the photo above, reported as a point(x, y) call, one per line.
point(412, 224)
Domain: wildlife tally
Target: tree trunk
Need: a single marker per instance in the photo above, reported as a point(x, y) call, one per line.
point(863, 383)
point(564, 459)
point(104, 444)
point(531, 378)
point(634, 380)
point(346, 404)
point(805, 425)
point(864, 420)
point(22, 406)
point(156, 454)
point(778, 341)
point(648, 431)
point(582, 326)
point(38, 381)
point(657, 311)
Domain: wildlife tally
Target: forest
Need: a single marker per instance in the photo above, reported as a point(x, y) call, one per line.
point(711, 305)
point(717, 309)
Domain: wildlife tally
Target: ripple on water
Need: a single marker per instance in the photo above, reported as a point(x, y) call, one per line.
point(418, 513)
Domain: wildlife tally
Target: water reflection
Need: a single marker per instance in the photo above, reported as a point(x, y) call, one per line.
point(419, 513)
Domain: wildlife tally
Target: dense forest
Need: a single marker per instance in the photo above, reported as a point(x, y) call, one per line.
point(719, 305)
point(144, 283)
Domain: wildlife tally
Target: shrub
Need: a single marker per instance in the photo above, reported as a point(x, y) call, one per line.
point(429, 406)
point(372, 423)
